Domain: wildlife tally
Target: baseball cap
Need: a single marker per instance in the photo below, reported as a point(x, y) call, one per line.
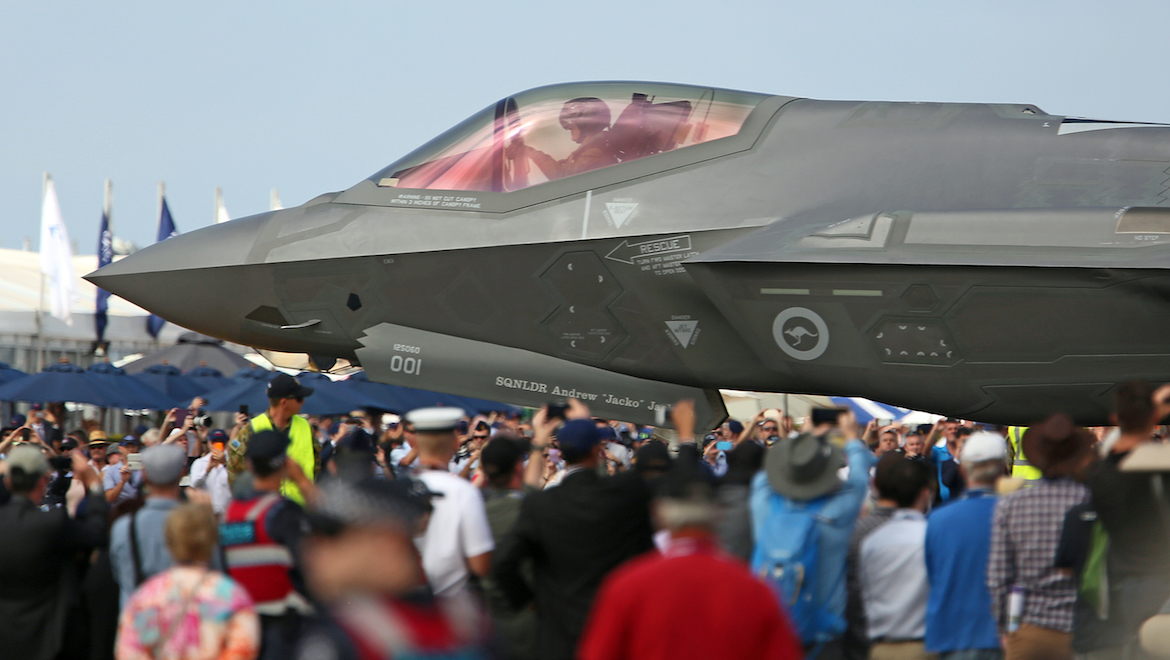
point(163, 464)
point(130, 440)
point(284, 386)
point(434, 420)
point(983, 446)
point(268, 448)
point(29, 460)
point(218, 435)
point(18, 421)
point(68, 444)
point(577, 437)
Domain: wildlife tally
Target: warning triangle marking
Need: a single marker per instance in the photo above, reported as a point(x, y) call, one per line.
point(683, 331)
point(619, 212)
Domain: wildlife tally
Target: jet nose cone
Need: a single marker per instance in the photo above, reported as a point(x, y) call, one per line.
point(187, 279)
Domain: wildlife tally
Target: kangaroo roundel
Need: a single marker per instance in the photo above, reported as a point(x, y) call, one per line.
point(801, 333)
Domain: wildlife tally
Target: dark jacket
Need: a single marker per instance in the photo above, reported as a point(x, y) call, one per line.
point(575, 534)
point(41, 558)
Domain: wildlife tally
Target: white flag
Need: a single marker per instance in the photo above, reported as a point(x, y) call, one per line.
point(221, 214)
point(57, 257)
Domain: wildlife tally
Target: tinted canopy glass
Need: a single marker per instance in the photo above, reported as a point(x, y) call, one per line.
point(556, 132)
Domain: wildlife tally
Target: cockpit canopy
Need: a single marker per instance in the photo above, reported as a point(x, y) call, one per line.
point(555, 132)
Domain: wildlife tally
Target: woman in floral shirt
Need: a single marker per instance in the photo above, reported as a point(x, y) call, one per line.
point(189, 612)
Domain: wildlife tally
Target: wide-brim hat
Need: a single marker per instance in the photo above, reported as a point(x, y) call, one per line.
point(805, 467)
point(1057, 446)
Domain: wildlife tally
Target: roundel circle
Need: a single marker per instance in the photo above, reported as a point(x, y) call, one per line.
point(801, 333)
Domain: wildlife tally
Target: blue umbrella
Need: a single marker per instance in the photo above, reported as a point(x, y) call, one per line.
point(63, 382)
point(134, 393)
point(257, 373)
point(170, 381)
point(210, 379)
point(8, 374)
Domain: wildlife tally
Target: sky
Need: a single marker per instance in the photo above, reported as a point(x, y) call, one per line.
point(312, 97)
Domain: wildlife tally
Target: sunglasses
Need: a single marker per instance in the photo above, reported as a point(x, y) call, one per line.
point(480, 437)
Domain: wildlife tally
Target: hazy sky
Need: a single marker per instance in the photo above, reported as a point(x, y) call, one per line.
point(313, 97)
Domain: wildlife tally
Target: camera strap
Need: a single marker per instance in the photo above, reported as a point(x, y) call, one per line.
point(135, 555)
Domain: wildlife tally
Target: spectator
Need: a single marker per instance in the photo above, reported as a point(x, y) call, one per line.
point(209, 473)
point(138, 549)
point(888, 441)
point(575, 534)
point(651, 460)
point(261, 537)
point(458, 539)
point(39, 569)
point(959, 621)
point(121, 482)
point(98, 444)
point(1025, 534)
point(363, 563)
point(800, 482)
point(1130, 511)
point(286, 395)
point(886, 483)
point(914, 444)
point(640, 605)
point(734, 524)
point(892, 567)
point(189, 611)
point(509, 481)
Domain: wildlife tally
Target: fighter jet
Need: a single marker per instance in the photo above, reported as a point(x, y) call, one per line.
point(631, 244)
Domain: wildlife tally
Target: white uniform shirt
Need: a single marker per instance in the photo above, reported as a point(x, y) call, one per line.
point(215, 483)
point(458, 529)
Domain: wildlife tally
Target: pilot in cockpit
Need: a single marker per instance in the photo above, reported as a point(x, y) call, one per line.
point(587, 120)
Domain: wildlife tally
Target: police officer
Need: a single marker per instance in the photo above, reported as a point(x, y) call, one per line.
point(261, 537)
point(362, 562)
point(286, 395)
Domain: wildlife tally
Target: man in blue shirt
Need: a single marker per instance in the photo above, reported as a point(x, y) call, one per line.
point(805, 472)
point(959, 620)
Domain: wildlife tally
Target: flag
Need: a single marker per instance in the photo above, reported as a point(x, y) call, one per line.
point(221, 214)
point(166, 229)
point(105, 254)
point(57, 257)
point(274, 203)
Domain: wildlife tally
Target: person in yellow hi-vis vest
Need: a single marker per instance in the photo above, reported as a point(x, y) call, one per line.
point(1021, 467)
point(286, 395)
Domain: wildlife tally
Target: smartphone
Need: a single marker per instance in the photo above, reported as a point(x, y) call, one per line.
point(556, 410)
point(180, 418)
point(554, 456)
point(243, 409)
point(217, 446)
point(825, 415)
point(723, 445)
point(885, 421)
point(25, 434)
point(134, 461)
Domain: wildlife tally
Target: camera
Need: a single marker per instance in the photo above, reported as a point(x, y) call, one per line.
point(201, 420)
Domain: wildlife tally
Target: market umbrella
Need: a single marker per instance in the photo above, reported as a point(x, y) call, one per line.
point(63, 382)
point(8, 374)
point(171, 382)
point(134, 393)
point(193, 350)
point(209, 378)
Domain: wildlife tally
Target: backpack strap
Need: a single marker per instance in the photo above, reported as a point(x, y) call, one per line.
point(135, 553)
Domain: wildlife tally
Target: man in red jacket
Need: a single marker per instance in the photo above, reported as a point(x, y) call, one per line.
point(691, 601)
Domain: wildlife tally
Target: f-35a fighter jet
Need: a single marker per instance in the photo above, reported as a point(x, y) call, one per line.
point(631, 244)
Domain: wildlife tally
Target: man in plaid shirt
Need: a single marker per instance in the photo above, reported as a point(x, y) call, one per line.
point(1025, 532)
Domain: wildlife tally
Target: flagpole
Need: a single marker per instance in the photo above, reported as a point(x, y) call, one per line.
point(41, 298)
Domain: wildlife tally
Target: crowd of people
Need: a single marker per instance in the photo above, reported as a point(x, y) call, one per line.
point(560, 535)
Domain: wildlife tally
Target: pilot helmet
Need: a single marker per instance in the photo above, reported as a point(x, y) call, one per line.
point(587, 113)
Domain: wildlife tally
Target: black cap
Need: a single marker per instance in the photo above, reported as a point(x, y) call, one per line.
point(652, 456)
point(370, 502)
point(284, 386)
point(267, 449)
point(685, 480)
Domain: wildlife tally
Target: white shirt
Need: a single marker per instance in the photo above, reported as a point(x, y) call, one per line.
point(458, 529)
point(215, 483)
point(894, 587)
point(620, 453)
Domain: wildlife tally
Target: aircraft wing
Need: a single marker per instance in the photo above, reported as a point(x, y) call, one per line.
point(416, 358)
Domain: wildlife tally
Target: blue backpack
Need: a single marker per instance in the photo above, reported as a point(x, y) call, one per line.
point(786, 558)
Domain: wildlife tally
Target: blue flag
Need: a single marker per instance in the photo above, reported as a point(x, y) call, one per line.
point(166, 229)
point(105, 256)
